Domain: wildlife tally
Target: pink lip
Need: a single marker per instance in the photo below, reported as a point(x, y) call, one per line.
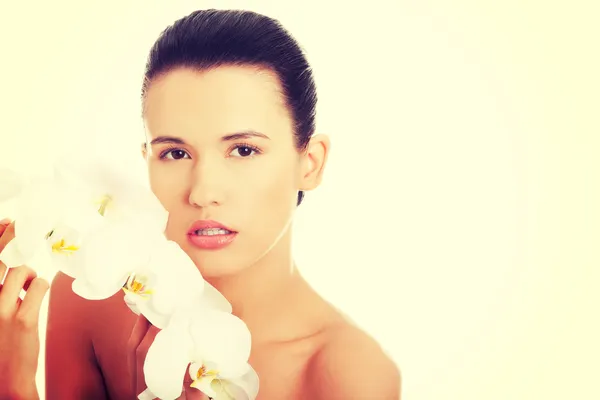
point(213, 242)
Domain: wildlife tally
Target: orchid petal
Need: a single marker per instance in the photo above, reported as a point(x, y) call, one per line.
point(94, 290)
point(180, 280)
point(205, 386)
point(129, 200)
point(193, 369)
point(82, 217)
point(180, 322)
point(111, 254)
point(246, 386)
point(166, 363)
point(11, 256)
point(212, 298)
point(142, 294)
point(38, 211)
point(223, 390)
point(160, 320)
point(202, 383)
point(67, 264)
point(227, 341)
point(91, 178)
point(64, 244)
point(146, 395)
point(145, 206)
point(132, 303)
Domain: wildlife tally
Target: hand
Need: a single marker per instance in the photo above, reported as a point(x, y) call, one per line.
point(19, 334)
point(142, 336)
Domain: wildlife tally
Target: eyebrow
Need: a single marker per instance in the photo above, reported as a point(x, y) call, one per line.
point(226, 138)
point(244, 135)
point(166, 139)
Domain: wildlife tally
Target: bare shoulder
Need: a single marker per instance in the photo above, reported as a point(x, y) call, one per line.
point(91, 317)
point(77, 334)
point(69, 346)
point(352, 365)
point(68, 314)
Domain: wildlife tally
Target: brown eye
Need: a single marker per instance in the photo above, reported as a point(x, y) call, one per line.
point(244, 151)
point(175, 154)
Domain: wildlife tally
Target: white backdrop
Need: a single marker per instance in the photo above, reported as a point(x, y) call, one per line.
point(458, 221)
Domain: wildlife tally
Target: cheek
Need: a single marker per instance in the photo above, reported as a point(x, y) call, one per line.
point(169, 191)
point(273, 188)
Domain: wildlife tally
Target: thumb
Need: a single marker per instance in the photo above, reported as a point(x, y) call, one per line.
point(3, 225)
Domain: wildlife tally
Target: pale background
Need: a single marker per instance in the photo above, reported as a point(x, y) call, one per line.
point(459, 219)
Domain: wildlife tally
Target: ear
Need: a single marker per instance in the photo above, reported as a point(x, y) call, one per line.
point(313, 162)
point(144, 149)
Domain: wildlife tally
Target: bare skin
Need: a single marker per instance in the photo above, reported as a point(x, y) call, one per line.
point(19, 317)
point(296, 369)
point(301, 346)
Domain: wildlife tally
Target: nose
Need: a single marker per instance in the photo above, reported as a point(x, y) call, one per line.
point(207, 187)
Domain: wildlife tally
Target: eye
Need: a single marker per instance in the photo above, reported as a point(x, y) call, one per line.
point(244, 151)
point(174, 154)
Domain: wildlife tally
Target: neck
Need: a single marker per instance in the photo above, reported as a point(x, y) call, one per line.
point(271, 296)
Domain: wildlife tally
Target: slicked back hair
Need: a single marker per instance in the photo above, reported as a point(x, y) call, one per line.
point(207, 39)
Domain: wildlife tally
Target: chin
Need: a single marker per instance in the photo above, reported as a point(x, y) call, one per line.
point(216, 264)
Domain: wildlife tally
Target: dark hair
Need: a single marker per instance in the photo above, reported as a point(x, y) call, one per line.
point(207, 39)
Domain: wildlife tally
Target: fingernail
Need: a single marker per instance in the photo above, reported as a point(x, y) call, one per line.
point(5, 221)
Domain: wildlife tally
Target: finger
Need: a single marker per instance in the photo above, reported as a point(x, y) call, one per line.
point(32, 303)
point(3, 271)
point(7, 235)
point(135, 338)
point(16, 280)
point(141, 353)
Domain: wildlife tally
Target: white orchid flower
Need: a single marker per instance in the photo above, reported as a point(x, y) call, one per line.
point(157, 276)
point(11, 184)
point(171, 283)
point(216, 343)
point(111, 192)
point(60, 212)
point(209, 381)
point(120, 217)
point(37, 213)
point(140, 290)
point(44, 221)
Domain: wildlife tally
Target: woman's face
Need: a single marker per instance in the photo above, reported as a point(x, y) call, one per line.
point(220, 148)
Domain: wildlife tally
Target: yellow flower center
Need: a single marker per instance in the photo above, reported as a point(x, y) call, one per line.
point(216, 384)
point(137, 285)
point(103, 204)
point(62, 247)
point(204, 372)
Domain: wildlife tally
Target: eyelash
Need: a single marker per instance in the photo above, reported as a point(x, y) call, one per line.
point(255, 149)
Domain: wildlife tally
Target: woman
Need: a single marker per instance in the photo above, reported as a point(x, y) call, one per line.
point(229, 110)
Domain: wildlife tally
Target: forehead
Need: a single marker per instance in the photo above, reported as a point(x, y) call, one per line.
point(224, 99)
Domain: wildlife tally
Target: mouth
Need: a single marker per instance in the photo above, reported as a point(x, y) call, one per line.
point(209, 228)
point(211, 232)
point(210, 235)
